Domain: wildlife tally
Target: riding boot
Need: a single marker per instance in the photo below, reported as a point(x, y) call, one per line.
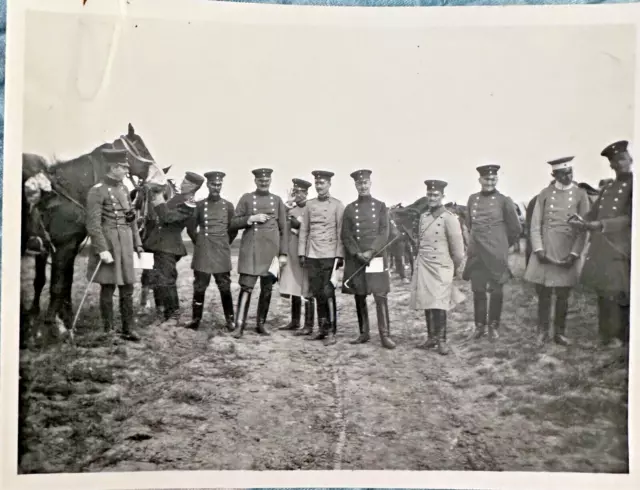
point(309, 317)
point(363, 320)
point(323, 318)
point(241, 313)
point(441, 320)
point(623, 333)
point(431, 341)
point(126, 314)
point(264, 300)
point(106, 306)
point(382, 314)
point(495, 312)
point(172, 303)
point(332, 324)
point(562, 306)
point(158, 299)
point(296, 310)
point(544, 312)
point(480, 313)
point(227, 308)
point(197, 307)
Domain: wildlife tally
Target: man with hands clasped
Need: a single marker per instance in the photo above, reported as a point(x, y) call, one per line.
point(112, 228)
point(555, 263)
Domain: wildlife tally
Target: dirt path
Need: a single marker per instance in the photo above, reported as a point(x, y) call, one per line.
point(201, 400)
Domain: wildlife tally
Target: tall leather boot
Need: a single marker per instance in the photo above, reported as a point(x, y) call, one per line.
point(363, 320)
point(431, 341)
point(323, 318)
point(332, 325)
point(172, 303)
point(227, 308)
point(544, 312)
point(296, 310)
point(309, 317)
point(562, 307)
point(495, 313)
point(480, 313)
point(604, 313)
point(263, 309)
point(623, 333)
point(441, 320)
point(197, 306)
point(126, 313)
point(383, 329)
point(241, 313)
point(106, 306)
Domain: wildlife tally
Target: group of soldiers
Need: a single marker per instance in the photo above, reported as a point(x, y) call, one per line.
point(308, 240)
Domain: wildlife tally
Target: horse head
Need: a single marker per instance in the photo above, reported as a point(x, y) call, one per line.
point(141, 163)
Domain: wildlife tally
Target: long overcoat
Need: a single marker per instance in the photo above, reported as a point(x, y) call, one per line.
point(294, 279)
point(607, 267)
point(107, 203)
point(365, 226)
point(551, 232)
point(260, 242)
point(440, 255)
point(494, 226)
point(211, 233)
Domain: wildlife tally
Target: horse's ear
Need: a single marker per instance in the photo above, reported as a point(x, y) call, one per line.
point(165, 170)
point(132, 131)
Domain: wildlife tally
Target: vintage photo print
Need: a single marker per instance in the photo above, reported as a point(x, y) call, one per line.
point(250, 245)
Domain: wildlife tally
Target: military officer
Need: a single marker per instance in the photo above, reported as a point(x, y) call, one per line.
point(112, 228)
point(212, 236)
point(263, 218)
point(607, 268)
point(294, 280)
point(320, 250)
point(494, 227)
point(165, 240)
point(440, 255)
point(555, 263)
point(365, 232)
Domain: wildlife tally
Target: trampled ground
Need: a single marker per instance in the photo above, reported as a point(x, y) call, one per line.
point(183, 400)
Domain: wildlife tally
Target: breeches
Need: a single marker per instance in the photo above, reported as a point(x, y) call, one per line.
point(201, 281)
point(248, 282)
point(165, 273)
point(319, 271)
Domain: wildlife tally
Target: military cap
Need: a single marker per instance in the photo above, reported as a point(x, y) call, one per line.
point(116, 155)
point(322, 174)
point(262, 172)
point(561, 163)
point(215, 176)
point(614, 149)
point(435, 185)
point(362, 174)
point(302, 184)
point(485, 170)
point(193, 177)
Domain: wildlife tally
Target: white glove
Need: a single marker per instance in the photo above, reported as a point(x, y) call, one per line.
point(283, 260)
point(106, 257)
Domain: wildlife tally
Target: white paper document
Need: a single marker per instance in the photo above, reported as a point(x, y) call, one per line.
point(376, 265)
point(144, 261)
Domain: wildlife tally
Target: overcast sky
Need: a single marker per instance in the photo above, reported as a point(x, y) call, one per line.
point(409, 104)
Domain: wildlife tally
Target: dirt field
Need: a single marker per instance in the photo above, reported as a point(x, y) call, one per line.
point(183, 400)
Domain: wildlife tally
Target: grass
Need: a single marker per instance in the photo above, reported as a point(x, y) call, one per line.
point(201, 400)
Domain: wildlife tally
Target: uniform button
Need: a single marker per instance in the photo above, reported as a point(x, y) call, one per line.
point(206, 234)
point(615, 207)
point(373, 216)
point(600, 207)
point(553, 192)
point(615, 198)
point(624, 184)
point(551, 205)
point(571, 199)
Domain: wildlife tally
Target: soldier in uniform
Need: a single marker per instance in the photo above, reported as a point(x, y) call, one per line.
point(555, 263)
point(263, 218)
point(494, 227)
point(113, 231)
point(212, 236)
point(294, 280)
point(319, 247)
point(440, 255)
point(365, 231)
point(165, 240)
point(607, 268)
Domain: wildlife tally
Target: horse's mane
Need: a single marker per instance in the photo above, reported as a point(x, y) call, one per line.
point(61, 164)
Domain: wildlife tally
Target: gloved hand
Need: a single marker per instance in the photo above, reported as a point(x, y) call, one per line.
point(140, 250)
point(295, 223)
point(569, 261)
point(542, 258)
point(283, 260)
point(362, 258)
point(106, 257)
point(368, 255)
point(340, 263)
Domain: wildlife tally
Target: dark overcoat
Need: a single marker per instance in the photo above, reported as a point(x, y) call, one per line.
point(365, 226)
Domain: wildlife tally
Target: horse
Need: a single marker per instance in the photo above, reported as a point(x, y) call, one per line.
point(401, 223)
point(58, 214)
point(592, 194)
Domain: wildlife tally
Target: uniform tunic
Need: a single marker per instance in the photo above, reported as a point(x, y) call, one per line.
point(494, 226)
point(365, 226)
point(607, 268)
point(440, 254)
point(320, 229)
point(210, 231)
point(294, 280)
point(550, 231)
point(260, 243)
point(170, 219)
point(107, 203)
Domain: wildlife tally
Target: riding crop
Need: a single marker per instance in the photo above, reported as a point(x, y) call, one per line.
point(84, 297)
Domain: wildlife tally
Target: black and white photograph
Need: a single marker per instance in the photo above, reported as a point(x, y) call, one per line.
point(270, 238)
